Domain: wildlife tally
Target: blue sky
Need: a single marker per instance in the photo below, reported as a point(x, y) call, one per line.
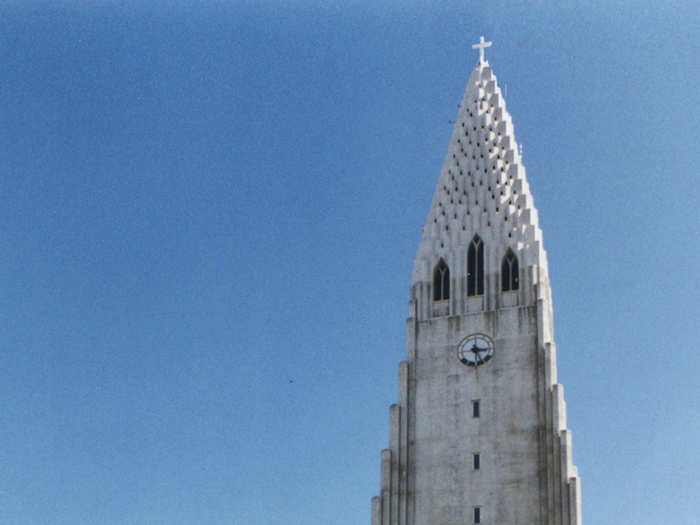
point(209, 212)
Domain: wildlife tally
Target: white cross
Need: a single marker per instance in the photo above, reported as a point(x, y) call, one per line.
point(481, 46)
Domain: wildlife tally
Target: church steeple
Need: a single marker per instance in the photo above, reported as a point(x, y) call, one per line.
point(479, 431)
point(482, 189)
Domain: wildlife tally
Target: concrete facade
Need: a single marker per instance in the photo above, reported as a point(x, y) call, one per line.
point(525, 474)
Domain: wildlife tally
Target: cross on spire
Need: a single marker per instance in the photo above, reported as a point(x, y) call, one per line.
point(481, 46)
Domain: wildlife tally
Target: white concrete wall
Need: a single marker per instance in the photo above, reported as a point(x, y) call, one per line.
point(446, 488)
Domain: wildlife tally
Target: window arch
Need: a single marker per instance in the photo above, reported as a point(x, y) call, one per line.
point(441, 282)
point(475, 267)
point(510, 273)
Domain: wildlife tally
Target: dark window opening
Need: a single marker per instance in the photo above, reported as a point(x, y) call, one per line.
point(475, 408)
point(475, 267)
point(510, 272)
point(441, 282)
point(477, 515)
point(477, 462)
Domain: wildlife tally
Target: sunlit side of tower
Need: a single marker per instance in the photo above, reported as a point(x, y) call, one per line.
point(479, 431)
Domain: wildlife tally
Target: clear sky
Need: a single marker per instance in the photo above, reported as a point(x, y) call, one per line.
point(208, 216)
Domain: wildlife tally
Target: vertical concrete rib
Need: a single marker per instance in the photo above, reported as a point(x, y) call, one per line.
point(386, 486)
point(550, 364)
point(549, 443)
point(403, 385)
point(411, 329)
point(410, 421)
point(425, 300)
point(376, 511)
point(575, 501)
point(556, 454)
point(565, 444)
point(543, 432)
point(403, 440)
point(453, 295)
point(394, 433)
point(547, 407)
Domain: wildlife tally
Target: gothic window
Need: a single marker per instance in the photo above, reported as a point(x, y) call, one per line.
point(441, 282)
point(509, 272)
point(475, 267)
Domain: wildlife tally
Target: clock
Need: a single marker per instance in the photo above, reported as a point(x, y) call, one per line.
point(475, 350)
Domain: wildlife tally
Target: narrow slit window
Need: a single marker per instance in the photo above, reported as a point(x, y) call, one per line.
point(510, 272)
point(477, 462)
point(441, 282)
point(476, 408)
point(477, 514)
point(475, 267)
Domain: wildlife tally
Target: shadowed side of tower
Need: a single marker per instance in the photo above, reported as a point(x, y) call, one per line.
point(479, 431)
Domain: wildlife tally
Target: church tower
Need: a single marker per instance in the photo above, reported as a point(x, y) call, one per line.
point(479, 431)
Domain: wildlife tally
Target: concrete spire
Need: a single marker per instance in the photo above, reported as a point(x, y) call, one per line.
point(482, 188)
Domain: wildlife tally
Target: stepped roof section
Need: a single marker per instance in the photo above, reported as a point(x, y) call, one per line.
point(482, 188)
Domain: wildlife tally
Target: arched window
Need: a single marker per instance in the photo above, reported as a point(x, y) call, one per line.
point(509, 272)
point(441, 282)
point(475, 267)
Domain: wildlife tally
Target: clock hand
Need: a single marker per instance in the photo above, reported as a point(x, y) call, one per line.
point(475, 351)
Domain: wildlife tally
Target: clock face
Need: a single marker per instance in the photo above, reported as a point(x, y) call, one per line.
point(475, 350)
